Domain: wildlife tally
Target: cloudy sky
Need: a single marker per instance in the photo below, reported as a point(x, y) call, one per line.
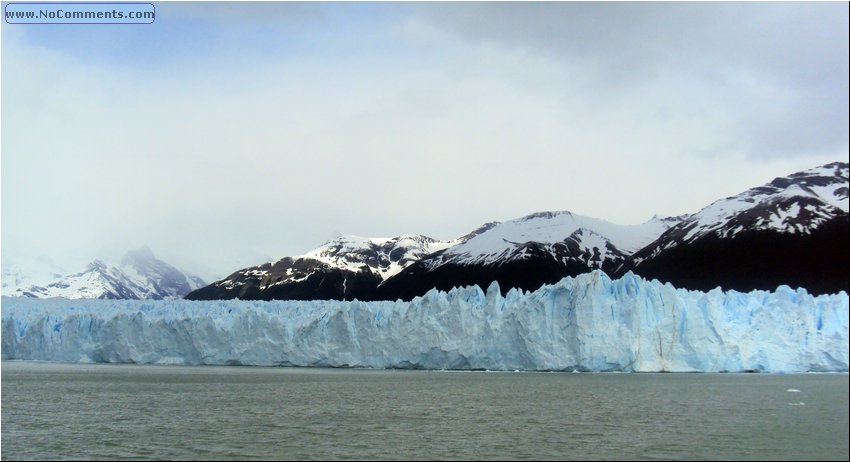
point(228, 133)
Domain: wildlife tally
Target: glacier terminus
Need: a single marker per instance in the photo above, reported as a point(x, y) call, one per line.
point(584, 323)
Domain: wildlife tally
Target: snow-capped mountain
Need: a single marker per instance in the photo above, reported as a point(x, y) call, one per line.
point(590, 240)
point(797, 204)
point(139, 276)
point(526, 253)
point(792, 231)
point(40, 270)
point(97, 280)
point(345, 267)
point(157, 278)
point(384, 256)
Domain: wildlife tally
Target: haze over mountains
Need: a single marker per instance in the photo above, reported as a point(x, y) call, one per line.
point(790, 231)
point(140, 275)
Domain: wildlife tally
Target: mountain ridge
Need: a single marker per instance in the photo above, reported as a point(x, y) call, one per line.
point(751, 240)
point(140, 275)
point(792, 230)
point(351, 267)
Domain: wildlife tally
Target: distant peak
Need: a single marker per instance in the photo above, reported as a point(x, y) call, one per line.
point(340, 238)
point(362, 241)
point(96, 265)
point(545, 215)
point(833, 171)
point(143, 253)
point(838, 166)
point(413, 237)
point(667, 219)
point(480, 230)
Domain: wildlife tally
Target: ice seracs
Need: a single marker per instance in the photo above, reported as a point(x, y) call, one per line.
point(586, 323)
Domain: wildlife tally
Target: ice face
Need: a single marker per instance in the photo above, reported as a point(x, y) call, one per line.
point(587, 323)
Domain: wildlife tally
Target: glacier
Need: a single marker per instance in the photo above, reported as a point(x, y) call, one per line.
point(586, 323)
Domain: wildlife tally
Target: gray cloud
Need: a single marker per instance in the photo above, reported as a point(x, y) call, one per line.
point(798, 53)
point(432, 118)
point(245, 13)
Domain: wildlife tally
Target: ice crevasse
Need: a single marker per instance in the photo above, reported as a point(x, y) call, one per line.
point(586, 323)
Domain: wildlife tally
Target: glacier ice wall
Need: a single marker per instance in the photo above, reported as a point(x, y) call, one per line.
point(587, 323)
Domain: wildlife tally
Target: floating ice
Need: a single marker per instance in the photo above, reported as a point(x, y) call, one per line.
point(587, 323)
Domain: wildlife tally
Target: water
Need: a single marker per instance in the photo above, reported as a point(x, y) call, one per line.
point(71, 411)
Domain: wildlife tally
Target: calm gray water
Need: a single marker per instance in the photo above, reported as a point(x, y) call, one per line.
point(69, 411)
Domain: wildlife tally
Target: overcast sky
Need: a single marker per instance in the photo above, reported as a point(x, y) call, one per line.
point(228, 133)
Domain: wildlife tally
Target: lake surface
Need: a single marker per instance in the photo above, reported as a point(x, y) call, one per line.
point(73, 411)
